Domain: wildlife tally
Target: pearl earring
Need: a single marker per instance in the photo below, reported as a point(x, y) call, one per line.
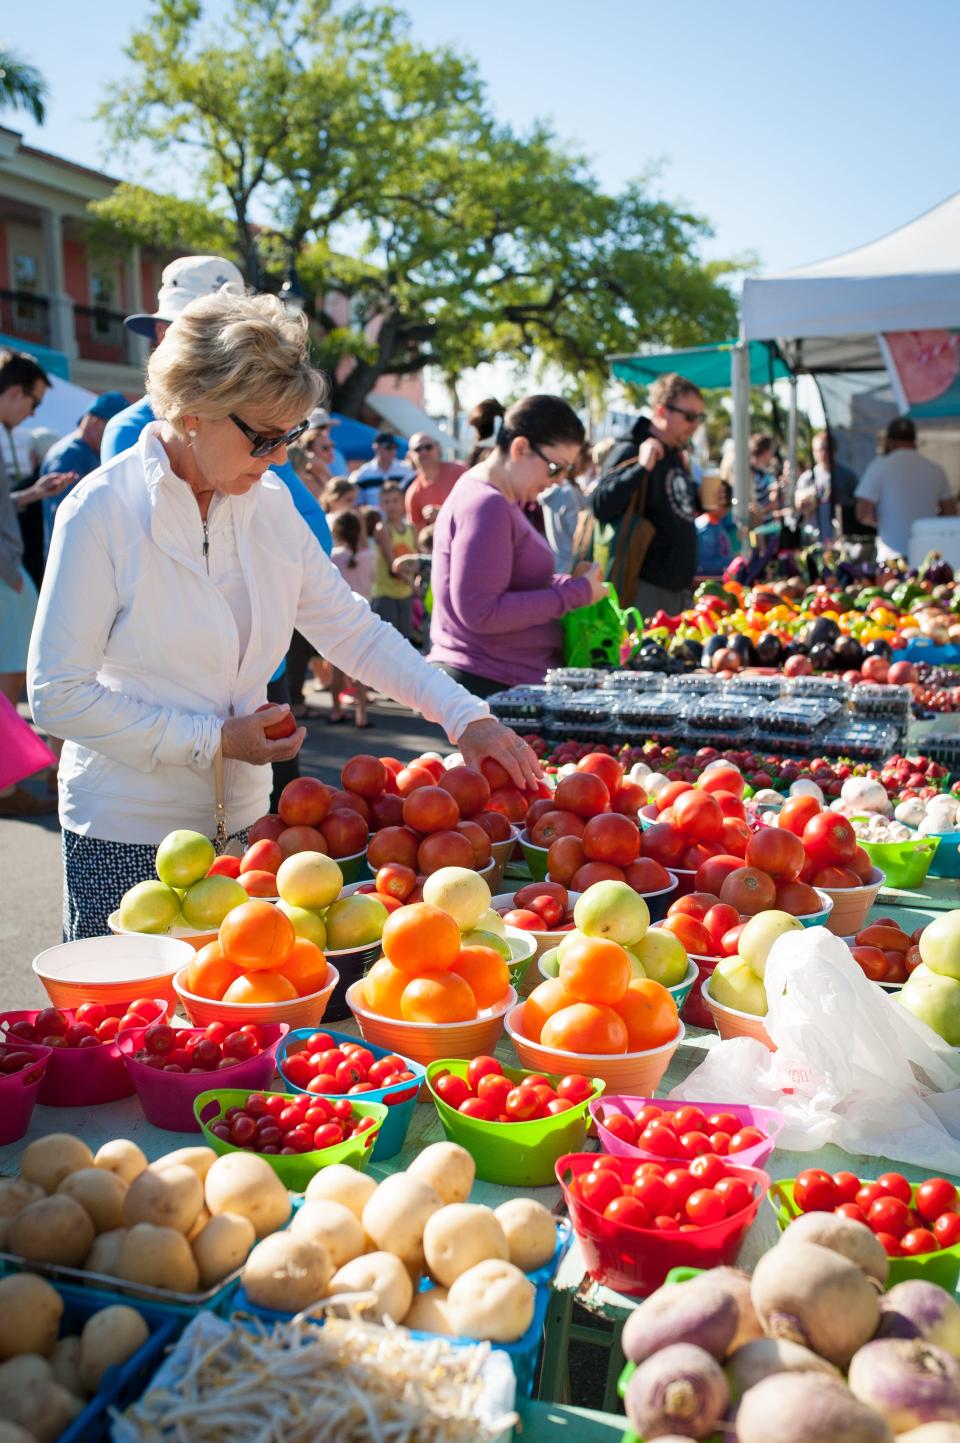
point(191, 431)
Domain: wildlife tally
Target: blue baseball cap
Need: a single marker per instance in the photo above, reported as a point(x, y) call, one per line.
point(107, 405)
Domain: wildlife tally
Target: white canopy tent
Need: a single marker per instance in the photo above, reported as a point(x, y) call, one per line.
point(827, 317)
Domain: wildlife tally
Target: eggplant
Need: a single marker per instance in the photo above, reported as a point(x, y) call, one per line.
point(849, 653)
point(879, 647)
point(769, 649)
point(823, 657)
point(823, 629)
point(743, 647)
point(715, 643)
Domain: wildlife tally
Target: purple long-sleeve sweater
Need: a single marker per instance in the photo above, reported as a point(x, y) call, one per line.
point(496, 600)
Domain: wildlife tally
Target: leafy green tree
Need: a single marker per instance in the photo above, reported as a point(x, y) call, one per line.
point(22, 87)
point(326, 133)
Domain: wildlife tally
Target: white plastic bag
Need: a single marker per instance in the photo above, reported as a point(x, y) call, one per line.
point(852, 1067)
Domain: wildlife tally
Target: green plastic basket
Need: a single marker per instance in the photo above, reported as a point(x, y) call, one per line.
point(535, 857)
point(523, 949)
point(514, 1154)
point(942, 1267)
point(904, 864)
point(294, 1172)
point(675, 1275)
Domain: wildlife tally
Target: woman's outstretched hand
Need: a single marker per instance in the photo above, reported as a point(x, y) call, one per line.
point(490, 738)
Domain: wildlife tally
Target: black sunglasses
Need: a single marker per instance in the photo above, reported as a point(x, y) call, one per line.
point(691, 416)
point(266, 445)
point(427, 446)
point(554, 468)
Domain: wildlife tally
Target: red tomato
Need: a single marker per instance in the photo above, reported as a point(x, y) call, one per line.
point(574, 1088)
point(946, 1229)
point(691, 933)
point(695, 904)
point(451, 1089)
point(712, 875)
point(718, 922)
point(679, 1183)
point(749, 890)
point(936, 1196)
point(746, 1137)
point(890, 1244)
point(480, 1107)
point(691, 1119)
point(796, 812)
point(664, 844)
point(649, 1169)
point(297, 1069)
point(777, 852)
point(735, 1194)
point(815, 1191)
point(871, 961)
point(724, 777)
point(622, 1127)
point(559, 1104)
point(649, 1114)
point(723, 1122)
point(720, 1143)
point(829, 840)
point(730, 941)
point(731, 806)
point(868, 1195)
point(896, 1185)
point(694, 1144)
point(652, 1192)
point(889, 1215)
point(706, 1206)
point(629, 1212)
point(919, 1241)
point(697, 814)
point(599, 1187)
point(660, 1140)
point(850, 1210)
point(708, 1170)
point(93, 1013)
point(735, 836)
point(479, 1067)
point(835, 878)
point(494, 1088)
point(848, 1185)
point(522, 1103)
point(670, 793)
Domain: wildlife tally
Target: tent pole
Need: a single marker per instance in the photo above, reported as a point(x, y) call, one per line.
point(792, 442)
point(740, 378)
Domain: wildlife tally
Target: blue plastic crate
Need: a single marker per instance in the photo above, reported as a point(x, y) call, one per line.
point(392, 1135)
point(218, 1299)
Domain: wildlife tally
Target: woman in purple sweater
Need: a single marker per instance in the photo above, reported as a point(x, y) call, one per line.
point(497, 602)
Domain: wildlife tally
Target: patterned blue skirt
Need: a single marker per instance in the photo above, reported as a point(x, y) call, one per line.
point(95, 876)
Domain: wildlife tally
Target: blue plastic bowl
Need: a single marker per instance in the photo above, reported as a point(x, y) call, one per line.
point(946, 859)
point(390, 1138)
point(818, 919)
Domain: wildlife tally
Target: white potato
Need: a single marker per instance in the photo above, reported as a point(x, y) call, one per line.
point(30, 1313)
point(242, 1183)
point(54, 1230)
point(158, 1257)
point(342, 1184)
point(65, 1363)
point(397, 1214)
point(48, 1160)
point(16, 1373)
point(448, 1168)
point(45, 1409)
point(99, 1193)
point(384, 1276)
point(530, 1230)
point(198, 1159)
point(221, 1246)
point(287, 1273)
point(13, 1433)
point(460, 1236)
point(109, 1338)
point(169, 1198)
point(104, 1256)
point(15, 1194)
point(428, 1312)
point(333, 1225)
point(122, 1157)
point(493, 1300)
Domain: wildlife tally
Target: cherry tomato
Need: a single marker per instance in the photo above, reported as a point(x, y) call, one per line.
point(574, 1088)
point(815, 1191)
point(648, 1114)
point(479, 1067)
point(708, 1170)
point(480, 1107)
point(850, 1210)
point(946, 1229)
point(680, 1183)
point(93, 1013)
point(868, 1195)
point(628, 1211)
point(665, 1224)
point(720, 1143)
point(451, 1089)
point(495, 1088)
point(544, 1092)
point(746, 1137)
point(896, 1185)
point(919, 1241)
point(649, 1169)
point(694, 1144)
point(706, 1206)
point(599, 1187)
point(796, 812)
point(297, 1069)
point(661, 1140)
point(935, 1196)
point(652, 1192)
point(890, 1244)
point(723, 1122)
point(522, 1104)
point(735, 1194)
point(689, 1119)
point(622, 1127)
point(559, 1104)
point(889, 1215)
point(848, 1185)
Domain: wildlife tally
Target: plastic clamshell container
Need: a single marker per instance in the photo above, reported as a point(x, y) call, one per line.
point(298, 1012)
point(399, 1100)
point(112, 969)
point(82, 1076)
point(942, 1267)
point(294, 1172)
point(167, 1097)
point(534, 856)
point(905, 864)
point(946, 859)
point(636, 1261)
point(731, 1023)
point(851, 904)
point(19, 1093)
point(513, 1154)
point(627, 1072)
point(428, 1041)
point(769, 1120)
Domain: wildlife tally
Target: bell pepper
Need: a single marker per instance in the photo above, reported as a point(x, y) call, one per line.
point(661, 621)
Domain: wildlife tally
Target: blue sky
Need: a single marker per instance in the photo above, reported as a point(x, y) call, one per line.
point(798, 130)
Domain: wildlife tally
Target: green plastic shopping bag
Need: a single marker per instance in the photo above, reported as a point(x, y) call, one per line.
point(597, 635)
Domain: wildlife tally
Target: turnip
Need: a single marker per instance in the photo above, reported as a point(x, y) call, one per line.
point(737, 1282)
point(681, 1389)
point(806, 1408)
point(910, 1382)
point(917, 1309)
point(760, 1359)
point(810, 1295)
point(926, 1433)
point(852, 1240)
point(701, 1312)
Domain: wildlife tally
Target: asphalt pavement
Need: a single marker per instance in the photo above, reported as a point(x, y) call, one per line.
point(31, 909)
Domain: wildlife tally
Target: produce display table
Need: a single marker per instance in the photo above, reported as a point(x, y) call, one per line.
point(540, 1422)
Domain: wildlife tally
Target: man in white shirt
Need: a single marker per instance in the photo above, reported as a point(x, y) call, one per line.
point(384, 467)
point(901, 487)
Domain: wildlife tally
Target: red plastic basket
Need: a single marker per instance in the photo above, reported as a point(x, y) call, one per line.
point(636, 1261)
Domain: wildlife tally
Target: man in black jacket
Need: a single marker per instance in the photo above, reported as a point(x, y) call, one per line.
point(659, 443)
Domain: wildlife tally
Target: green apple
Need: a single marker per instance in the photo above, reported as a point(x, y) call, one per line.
point(309, 880)
point(935, 999)
point(149, 907)
point(208, 901)
point(736, 985)
point(612, 910)
point(940, 945)
point(184, 857)
point(479, 937)
point(662, 956)
point(459, 892)
point(550, 962)
point(759, 935)
point(305, 923)
point(355, 921)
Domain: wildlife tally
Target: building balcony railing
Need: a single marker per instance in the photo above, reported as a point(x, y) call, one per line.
point(100, 334)
point(26, 316)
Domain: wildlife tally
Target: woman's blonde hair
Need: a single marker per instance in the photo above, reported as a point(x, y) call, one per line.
point(243, 354)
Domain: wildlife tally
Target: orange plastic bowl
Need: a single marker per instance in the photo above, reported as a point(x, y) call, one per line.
point(112, 969)
point(429, 1041)
point(851, 905)
point(731, 1023)
point(637, 1073)
point(298, 1012)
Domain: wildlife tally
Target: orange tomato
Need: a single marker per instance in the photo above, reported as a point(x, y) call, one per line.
point(585, 1027)
point(260, 986)
point(485, 972)
point(650, 1014)
point(210, 974)
point(594, 969)
point(438, 997)
point(383, 987)
point(543, 1002)
point(420, 938)
point(306, 967)
point(257, 937)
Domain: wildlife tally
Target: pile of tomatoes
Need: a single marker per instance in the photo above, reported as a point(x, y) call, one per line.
point(590, 828)
point(279, 1125)
point(319, 1065)
point(485, 1093)
point(909, 1221)
point(89, 1025)
point(687, 1132)
point(665, 1199)
point(886, 952)
point(212, 1049)
point(12, 1061)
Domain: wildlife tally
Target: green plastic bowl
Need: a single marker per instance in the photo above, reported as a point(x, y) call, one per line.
point(942, 1267)
point(513, 1154)
point(523, 948)
point(904, 864)
point(535, 857)
point(294, 1172)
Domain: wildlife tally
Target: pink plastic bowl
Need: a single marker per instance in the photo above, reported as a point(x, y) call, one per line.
point(768, 1119)
point(81, 1076)
point(18, 1093)
point(167, 1097)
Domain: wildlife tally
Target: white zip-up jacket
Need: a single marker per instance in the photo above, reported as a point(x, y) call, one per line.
point(135, 655)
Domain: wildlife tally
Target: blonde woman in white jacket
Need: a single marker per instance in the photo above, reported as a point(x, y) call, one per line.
point(176, 576)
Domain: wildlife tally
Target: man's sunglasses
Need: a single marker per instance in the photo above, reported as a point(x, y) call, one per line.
point(266, 445)
point(554, 468)
point(427, 446)
point(694, 417)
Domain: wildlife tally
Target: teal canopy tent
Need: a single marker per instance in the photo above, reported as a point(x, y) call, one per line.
point(708, 367)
